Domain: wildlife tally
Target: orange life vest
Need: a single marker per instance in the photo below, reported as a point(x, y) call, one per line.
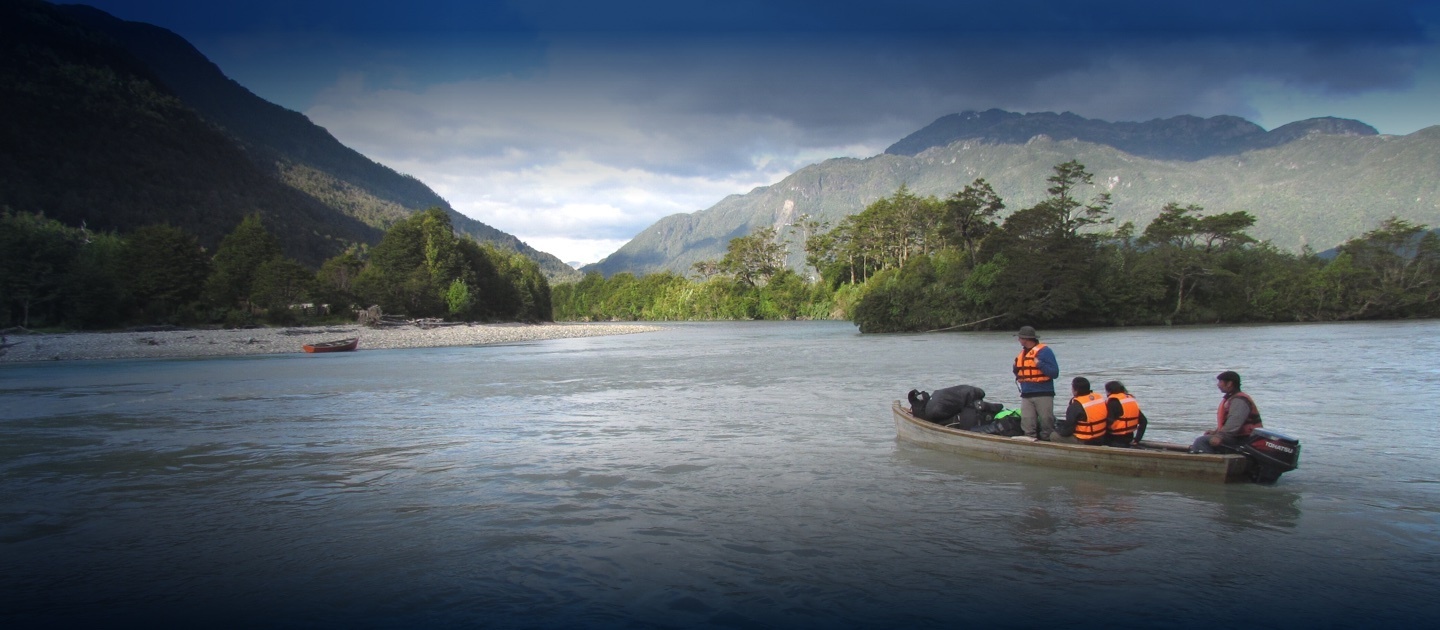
point(1093, 426)
point(1251, 422)
point(1027, 369)
point(1129, 419)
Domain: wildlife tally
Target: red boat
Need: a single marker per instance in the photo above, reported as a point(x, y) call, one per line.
point(339, 345)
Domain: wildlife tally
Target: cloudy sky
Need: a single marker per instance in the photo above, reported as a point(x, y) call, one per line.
point(574, 124)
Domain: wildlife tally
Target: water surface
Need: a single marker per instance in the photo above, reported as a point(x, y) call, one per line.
point(719, 475)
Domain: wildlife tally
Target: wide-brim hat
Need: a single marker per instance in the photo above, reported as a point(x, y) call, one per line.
point(1027, 332)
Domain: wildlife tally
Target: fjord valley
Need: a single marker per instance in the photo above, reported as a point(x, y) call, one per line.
point(252, 377)
point(126, 149)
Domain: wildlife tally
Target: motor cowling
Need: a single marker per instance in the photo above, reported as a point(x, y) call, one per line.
point(1271, 454)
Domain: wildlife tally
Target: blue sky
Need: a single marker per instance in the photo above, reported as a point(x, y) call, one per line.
point(575, 124)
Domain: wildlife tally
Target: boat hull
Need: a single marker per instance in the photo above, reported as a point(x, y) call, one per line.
point(342, 345)
point(1156, 459)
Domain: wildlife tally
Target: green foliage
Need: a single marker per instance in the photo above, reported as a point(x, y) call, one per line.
point(458, 300)
point(52, 275)
point(969, 216)
point(1050, 264)
point(36, 254)
point(94, 290)
point(335, 282)
point(754, 258)
point(280, 283)
point(237, 260)
point(422, 268)
point(166, 271)
point(905, 264)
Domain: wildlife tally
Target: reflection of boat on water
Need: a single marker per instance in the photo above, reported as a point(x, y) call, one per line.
point(339, 345)
point(1151, 459)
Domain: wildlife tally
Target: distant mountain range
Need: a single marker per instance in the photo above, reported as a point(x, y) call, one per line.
point(119, 124)
point(1179, 138)
point(1315, 182)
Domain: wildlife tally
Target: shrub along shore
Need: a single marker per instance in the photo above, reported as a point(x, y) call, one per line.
point(176, 344)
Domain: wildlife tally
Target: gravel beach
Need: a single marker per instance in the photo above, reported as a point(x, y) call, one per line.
point(208, 343)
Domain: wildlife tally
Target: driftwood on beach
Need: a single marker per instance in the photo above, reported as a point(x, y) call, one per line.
point(374, 318)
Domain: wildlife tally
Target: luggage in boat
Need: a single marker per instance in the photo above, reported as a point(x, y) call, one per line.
point(1006, 423)
point(944, 405)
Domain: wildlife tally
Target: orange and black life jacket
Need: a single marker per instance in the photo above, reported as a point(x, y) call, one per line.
point(1093, 426)
point(1129, 419)
point(1027, 368)
point(1251, 422)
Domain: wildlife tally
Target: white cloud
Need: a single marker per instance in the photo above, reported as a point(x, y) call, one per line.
point(560, 163)
point(608, 136)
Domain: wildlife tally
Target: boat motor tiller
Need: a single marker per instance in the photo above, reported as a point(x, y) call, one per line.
point(1271, 455)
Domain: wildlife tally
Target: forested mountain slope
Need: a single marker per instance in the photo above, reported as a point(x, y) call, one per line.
point(311, 173)
point(1315, 183)
point(89, 135)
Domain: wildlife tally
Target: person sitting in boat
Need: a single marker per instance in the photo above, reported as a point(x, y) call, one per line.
point(1085, 421)
point(1236, 418)
point(1126, 421)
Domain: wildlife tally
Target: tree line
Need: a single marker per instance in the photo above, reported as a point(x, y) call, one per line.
point(912, 263)
point(52, 275)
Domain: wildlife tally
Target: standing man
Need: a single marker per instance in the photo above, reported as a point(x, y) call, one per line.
point(1236, 418)
point(1035, 372)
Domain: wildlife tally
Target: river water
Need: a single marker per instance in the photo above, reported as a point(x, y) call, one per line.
point(709, 475)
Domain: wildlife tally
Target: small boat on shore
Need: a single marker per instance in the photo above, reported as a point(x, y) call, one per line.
point(339, 345)
point(1150, 459)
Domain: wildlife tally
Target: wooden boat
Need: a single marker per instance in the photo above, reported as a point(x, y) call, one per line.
point(1151, 459)
point(339, 345)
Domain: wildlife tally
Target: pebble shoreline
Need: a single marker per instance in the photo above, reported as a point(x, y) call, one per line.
point(174, 344)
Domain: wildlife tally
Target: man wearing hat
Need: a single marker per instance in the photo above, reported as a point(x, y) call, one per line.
point(1035, 372)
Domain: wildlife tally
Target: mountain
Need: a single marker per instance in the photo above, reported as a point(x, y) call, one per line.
point(89, 135)
point(282, 144)
point(1178, 138)
point(1315, 182)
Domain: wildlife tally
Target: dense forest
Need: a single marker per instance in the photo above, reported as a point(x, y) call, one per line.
point(911, 263)
point(53, 276)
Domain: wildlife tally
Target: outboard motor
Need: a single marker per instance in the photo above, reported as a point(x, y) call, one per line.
point(1271, 454)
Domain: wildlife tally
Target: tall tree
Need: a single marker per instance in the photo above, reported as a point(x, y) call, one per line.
point(165, 269)
point(335, 281)
point(35, 255)
point(752, 259)
point(280, 283)
point(1068, 216)
point(970, 216)
point(1048, 255)
point(1397, 266)
point(238, 257)
point(1186, 244)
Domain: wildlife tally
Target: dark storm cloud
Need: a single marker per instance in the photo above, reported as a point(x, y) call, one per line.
point(828, 65)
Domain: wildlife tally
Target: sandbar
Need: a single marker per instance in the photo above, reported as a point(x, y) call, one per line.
point(194, 343)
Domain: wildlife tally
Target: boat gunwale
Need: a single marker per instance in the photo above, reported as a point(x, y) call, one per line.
point(1107, 459)
point(336, 345)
